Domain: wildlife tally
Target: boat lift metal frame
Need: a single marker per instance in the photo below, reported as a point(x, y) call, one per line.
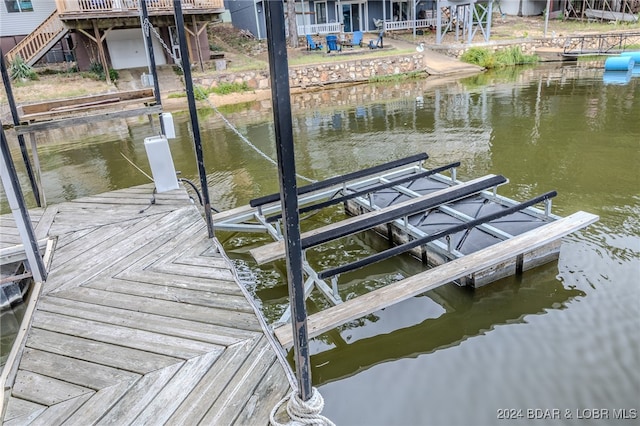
point(266, 216)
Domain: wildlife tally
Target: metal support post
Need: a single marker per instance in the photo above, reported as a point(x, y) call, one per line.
point(280, 95)
point(193, 112)
point(16, 121)
point(15, 198)
point(151, 57)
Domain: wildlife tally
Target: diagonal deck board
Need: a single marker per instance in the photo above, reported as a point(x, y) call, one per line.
point(141, 319)
point(78, 372)
point(212, 384)
point(101, 353)
point(175, 309)
point(125, 336)
point(210, 298)
point(45, 390)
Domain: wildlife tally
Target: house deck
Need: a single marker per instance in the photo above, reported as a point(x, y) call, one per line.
point(141, 321)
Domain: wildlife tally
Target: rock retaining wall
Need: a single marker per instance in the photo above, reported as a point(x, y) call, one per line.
point(341, 71)
point(530, 45)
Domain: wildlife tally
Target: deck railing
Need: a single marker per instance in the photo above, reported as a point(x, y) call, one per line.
point(35, 45)
point(333, 27)
point(116, 6)
point(409, 25)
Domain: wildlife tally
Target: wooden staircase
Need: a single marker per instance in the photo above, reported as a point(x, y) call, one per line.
point(37, 44)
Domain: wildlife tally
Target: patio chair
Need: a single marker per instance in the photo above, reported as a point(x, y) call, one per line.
point(332, 43)
point(356, 40)
point(312, 45)
point(377, 44)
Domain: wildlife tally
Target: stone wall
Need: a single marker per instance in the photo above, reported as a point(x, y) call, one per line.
point(341, 71)
point(529, 46)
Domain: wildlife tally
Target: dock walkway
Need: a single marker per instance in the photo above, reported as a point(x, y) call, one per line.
point(141, 321)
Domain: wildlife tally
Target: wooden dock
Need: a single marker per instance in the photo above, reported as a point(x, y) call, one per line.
point(141, 321)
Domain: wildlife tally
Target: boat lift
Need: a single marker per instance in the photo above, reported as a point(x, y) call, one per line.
point(427, 212)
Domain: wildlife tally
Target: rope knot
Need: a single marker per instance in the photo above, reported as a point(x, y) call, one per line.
point(302, 412)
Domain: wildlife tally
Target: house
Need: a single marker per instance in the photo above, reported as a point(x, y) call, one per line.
point(347, 16)
point(109, 32)
point(18, 18)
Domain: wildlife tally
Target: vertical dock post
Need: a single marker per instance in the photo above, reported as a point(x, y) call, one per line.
point(193, 112)
point(14, 115)
point(20, 213)
point(280, 99)
point(146, 28)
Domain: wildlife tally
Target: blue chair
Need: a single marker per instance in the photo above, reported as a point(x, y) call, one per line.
point(332, 43)
point(356, 40)
point(312, 45)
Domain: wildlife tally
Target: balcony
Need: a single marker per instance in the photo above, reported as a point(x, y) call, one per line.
point(89, 9)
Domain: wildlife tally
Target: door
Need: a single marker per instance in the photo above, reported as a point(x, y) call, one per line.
point(351, 17)
point(127, 49)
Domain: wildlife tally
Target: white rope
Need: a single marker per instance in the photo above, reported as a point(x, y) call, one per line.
point(302, 412)
point(149, 27)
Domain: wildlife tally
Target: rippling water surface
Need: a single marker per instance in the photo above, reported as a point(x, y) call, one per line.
point(563, 336)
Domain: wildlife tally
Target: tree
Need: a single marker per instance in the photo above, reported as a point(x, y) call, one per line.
point(291, 21)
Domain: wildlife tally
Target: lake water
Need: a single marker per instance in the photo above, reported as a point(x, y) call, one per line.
point(561, 341)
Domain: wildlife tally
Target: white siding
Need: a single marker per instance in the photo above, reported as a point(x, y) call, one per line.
point(24, 23)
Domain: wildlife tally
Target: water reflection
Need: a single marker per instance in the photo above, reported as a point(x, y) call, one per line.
point(561, 337)
point(418, 326)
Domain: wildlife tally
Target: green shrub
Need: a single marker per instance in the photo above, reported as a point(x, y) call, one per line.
point(200, 93)
point(514, 56)
point(20, 70)
point(503, 58)
point(97, 69)
point(226, 88)
point(396, 77)
point(478, 56)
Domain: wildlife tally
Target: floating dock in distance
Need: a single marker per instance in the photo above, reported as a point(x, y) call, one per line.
point(465, 231)
point(62, 113)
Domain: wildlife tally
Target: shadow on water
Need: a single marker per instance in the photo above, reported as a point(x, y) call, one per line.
point(467, 313)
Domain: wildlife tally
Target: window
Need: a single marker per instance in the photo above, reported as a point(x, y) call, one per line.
point(321, 13)
point(14, 6)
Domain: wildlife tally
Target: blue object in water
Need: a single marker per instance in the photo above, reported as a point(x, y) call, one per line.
point(616, 77)
point(619, 63)
point(635, 55)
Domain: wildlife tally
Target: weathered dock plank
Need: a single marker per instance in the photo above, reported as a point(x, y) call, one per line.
point(175, 309)
point(446, 273)
point(140, 313)
point(210, 297)
point(101, 353)
point(170, 397)
point(59, 413)
point(199, 401)
point(22, 412)
point(141, 394)
point(240, 389)
point(45, 390)
point(132, 338)
point(93, 409)
point(75, 371)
